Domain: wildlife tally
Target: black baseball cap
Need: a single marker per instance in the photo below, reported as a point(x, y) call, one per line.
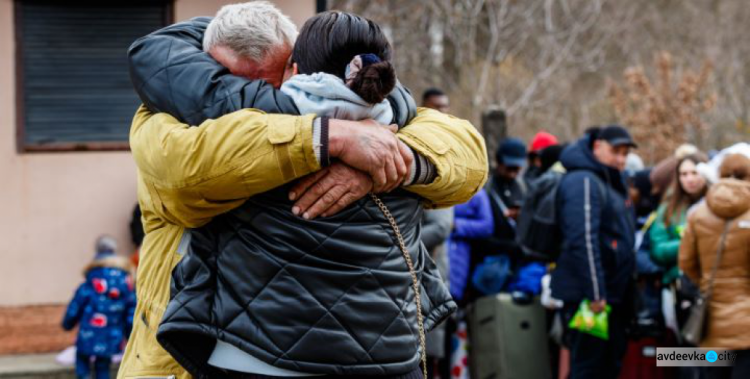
point(511, 153)
point(616, 135)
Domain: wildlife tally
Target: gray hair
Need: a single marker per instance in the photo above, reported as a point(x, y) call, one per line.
point(251, 29)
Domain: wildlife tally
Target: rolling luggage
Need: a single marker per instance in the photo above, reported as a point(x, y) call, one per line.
point(508, 339)
point(640, 360)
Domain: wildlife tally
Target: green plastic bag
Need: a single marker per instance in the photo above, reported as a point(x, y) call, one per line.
point(586, 321)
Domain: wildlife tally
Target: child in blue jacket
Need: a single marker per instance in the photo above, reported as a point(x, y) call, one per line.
point(103, 305)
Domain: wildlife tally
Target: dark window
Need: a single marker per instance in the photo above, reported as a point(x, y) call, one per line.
point(74, 92)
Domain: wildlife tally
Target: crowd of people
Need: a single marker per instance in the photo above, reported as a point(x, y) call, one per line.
point(639, 243)
point(301, 216)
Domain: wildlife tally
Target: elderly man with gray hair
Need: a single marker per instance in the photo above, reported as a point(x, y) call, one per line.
point(253, 40)
point(215, 131)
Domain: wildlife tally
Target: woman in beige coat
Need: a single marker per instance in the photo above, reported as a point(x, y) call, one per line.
point(728, 201)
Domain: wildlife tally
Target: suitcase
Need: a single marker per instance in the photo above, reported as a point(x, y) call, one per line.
point(508, 340)
point(640, 361)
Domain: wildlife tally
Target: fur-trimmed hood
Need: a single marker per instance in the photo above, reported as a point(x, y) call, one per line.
point(114, 261)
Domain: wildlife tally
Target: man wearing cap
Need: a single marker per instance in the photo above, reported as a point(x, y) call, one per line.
point(511, 159)
point(541, 141)
point(506, 197)
point(597, 261)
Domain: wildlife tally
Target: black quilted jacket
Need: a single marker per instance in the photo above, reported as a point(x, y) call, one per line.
point(327, 296)
point(332, 295)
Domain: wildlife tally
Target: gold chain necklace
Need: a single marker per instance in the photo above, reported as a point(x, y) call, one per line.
point(415, 280)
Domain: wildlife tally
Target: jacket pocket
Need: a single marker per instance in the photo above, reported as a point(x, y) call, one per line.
point(430, 142)
point(282, 132)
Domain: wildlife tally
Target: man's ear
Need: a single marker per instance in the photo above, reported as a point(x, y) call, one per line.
point(295, 70)
point(595, 145)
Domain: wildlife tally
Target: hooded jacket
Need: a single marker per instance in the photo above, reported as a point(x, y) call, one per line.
point(597, 222)
point(728, 201)
point(103, 305)
point(327, 95)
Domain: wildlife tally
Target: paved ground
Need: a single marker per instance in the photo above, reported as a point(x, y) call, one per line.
point(36, 366)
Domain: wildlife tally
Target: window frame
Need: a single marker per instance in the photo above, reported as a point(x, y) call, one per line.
point(21, 145)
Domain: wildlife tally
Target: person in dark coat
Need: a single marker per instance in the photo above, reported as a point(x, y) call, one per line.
point(103, 305)
point(506, 193)
point(597, 260)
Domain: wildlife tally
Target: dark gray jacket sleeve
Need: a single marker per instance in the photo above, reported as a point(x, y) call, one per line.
point(171, 73)
point(436, 227)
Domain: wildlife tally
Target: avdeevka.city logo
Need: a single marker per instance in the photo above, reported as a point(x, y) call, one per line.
point(694, 357)
point(711, 356)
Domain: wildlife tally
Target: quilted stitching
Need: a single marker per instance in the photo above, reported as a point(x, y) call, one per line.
point(244, 309)
point(293, 341)
point(310, 293)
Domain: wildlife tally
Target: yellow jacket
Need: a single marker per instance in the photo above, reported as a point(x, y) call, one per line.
point(188, 175)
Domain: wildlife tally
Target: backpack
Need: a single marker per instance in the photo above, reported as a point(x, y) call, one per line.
point(537, 230)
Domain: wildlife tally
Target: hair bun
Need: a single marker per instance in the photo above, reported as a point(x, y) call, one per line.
point(374, 82)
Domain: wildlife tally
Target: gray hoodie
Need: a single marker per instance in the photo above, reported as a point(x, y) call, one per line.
point(327, 95)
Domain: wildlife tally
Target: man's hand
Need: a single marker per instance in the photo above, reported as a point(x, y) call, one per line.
point(330, 190)
point(598, 306)
point(372, 148)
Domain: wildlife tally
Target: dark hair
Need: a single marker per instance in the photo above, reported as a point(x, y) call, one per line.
point(330, 40)
point(679, 200)
point(430, 92)
point(550, 155)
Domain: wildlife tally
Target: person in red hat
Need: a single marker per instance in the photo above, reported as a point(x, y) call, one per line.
point(541, 141)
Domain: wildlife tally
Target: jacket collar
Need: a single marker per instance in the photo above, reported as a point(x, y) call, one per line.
point(578, 156)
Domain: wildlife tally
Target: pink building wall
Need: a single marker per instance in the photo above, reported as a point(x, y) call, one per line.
point(54, 205)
